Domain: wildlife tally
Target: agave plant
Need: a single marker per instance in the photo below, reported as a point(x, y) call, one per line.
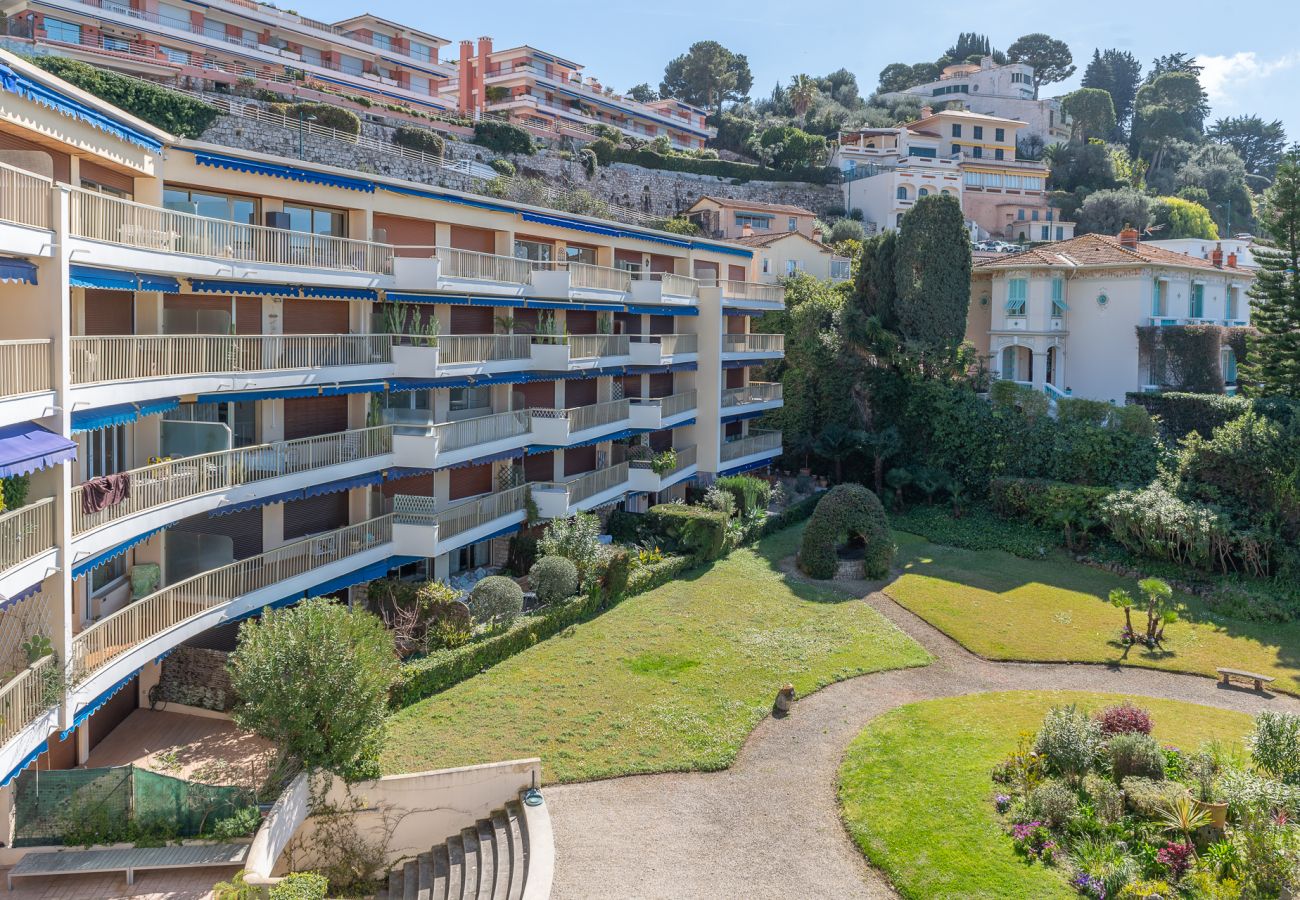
point(1182, 816)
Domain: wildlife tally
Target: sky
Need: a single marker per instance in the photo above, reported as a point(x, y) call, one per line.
point(1249, 49)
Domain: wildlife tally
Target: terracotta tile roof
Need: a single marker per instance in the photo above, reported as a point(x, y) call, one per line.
point(729, 203)
point(1094, 250)
point(766, 240)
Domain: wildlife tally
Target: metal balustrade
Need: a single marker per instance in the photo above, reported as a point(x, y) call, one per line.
point(29, 694)
point(585, 275)
point(458, 519)
point(150, 616)
point(26, 533)
point(482, 266)
point(25, 367)
point(686, 456)
point(677, 285)
point(103, 359)
point(481, 430)
point(24, 197)
point(756, 443)
point(753, 343)
point(754, 392)
point(670, 344)
point(472, 348)
point(583, 417)
point(753, 290)
point(588, 346)
point(101, 217)
point(593, 483)
point(676, 404)
point(180, 479)
point(410, 510)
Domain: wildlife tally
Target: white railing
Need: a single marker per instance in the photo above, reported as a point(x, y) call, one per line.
point(482, 266)
point(24, 197)
point(471, 514)
point(754, 392)
point(676, 404)
point(593, 483)
point(27, 695)
point(587, 346)
point(753, 290)
point(746, 446)
point(583, 417)
point(468, 348)
point(26, 532)
point(482, 430)
point(149, 617)
point(753, 343)
point(670, 344)
point(181, 479)
point(103, 359)
point(686, 456)
point(101, 217)
point(25, 367)
point(585, 275)
point(677, 285)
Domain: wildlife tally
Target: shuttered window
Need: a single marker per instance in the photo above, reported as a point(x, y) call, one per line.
point(415, 486)
point(661, 440)
point(578, 460)
point(539, 466)
point(61, 162)
point(735, 378)
point(581, 322)
point(631, 385)
point(109, 312)
point(472, 320)
point(471, 481)
point(662, 324)
point(579, 392)
point(315, 515)
point(315, 316)
point(309, 416)
point(244, 528)
point(661, 384)
point(736, 273)
point(536, 394)
point(202, 314)
point(97, 174)
point(479, 240)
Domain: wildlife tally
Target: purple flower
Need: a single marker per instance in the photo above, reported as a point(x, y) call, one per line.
point(1002, 802)
point(1089, 886)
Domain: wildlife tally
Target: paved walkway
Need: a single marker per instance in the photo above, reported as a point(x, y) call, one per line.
point(769, 826)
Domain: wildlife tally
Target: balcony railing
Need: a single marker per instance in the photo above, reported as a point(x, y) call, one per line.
point(584, 275)
point(149, 617)
point(482, 430)
point(100, 217)
point(746, 446)
point(593, 483)
point(469, 348)
point(482, 266)
point(686, 456)
point(677, 285)
point(676, 404)
point(670, 344)
point(753, 290)
point(753, 343)
point(24, 197)
point(754, 392)
point(25, 367)
point(104, 359)
point(29, 694)
point(26, 533)
point(181, 479)
point(583, 417)
point(462, 517)
point(587, 346)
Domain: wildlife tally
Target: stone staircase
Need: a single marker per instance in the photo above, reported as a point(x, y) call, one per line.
point(488, 861)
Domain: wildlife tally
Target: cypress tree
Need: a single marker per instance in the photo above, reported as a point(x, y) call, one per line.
point(1272, 366)
point(932, 277)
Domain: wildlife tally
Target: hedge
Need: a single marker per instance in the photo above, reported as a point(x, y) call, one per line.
point(323, 114)
point(422, 139)
point(503, 137)
point(722, 168)
point(1036, 499)
point(697, 531)
point(175, 113)
point(846, 510)
point(792, 514)
point(1182, 413)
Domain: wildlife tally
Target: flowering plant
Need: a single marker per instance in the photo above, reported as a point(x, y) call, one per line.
point(1002, 803)
point(1176, 858)
point(1034, 841)
point(1089, 886)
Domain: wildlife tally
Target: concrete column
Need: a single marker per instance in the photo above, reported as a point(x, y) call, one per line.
point(505, 243)
point(57, 297)
point(605, 257)
point(708, 378)
point(148, 190)
point(272, 316)
point(442, 232)
point(272, 526)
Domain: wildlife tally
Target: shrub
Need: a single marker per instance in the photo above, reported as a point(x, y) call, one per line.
point(715, 498)
point(846, 510)
point(1107, 799)
point(521, 554)
point(175, 113)
point(1134, 754)
point(1124, 718)
point(554, 578)
point(647, 578)
point(300, 886)
point(1181, 413)
point(1149, 799)
point(648, 158)
point(503, 167)
point(326, 116)
point(1073, 508)
point(13, 491)
point(625, 527)
point(1053, 803)
point(749, 493)
point(604, 150)
point(1275, 745)
point(503, 137)
point(617, 575)
point(795, 512)
point(697, 531)
point(1070, 741)
point(415, 138)
point(577, 539)
point(496, 601)
point(587, 159)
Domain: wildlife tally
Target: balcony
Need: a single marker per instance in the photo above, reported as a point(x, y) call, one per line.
point(30, 696)
point(664, 287)
point(581, 281)
point(758, 295)
point(753, 397)
point(25, 206)
point(558, 353)
point(168, 491)
point(559, 500)
point(753, 346)
point(131, 368)
point(446, 268)
point(643, 477)
point(460, 354)
point(751, 451)
point(656, 413)
point(428, 445)
point(663, 349)
point(419, 529)
point(27, 553)
point(149, 238)
point(26, 381)
point(560, 427)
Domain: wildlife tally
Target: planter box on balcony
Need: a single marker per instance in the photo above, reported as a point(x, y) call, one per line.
point(414, 273)
point(550, 357)
point(415, 362)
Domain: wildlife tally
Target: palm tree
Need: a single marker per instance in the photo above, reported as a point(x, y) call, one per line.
point(803, 91)
point(1121, 599)
point(897, 479)
point(837, 442)
point(881, 445)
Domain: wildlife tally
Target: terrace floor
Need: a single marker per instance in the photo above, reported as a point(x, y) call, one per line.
point(198, 748)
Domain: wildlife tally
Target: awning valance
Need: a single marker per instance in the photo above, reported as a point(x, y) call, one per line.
point(340, 293)
point(117, 280)
point(360, 576)
point(294, 393)
point(259, 288)
point(16, 83)
point(315, 490)
point(664, 310)
point(289, 173)
point(111, 553)
point(120, 413)
point(26, 447)
point(479, 460)
point(19, 271)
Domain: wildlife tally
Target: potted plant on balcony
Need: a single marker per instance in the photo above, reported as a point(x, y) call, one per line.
point(664, 463)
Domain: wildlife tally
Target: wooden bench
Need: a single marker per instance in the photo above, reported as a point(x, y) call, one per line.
point(128, 860)
point(1230, 674)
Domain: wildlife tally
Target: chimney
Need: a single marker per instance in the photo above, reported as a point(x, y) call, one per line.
point(465, 76)
point(817, 235)
point(1232, 260)
point(1216, 256)
point(1128, 238)
point(747, 231)
point(927, 111)
point(480, 80)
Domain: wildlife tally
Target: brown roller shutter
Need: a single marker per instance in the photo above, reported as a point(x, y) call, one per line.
point(736, 273)
point(633, 257)
point(627, 323)
point(316, 316)
point(309, 416)
point(525, 320)
point(735, 378)
point(661, 263)
point(539, 466)
point(631, 385)
point(537, 394)
point(244, 528)
point(736, 324)
point(248, 310)
point(118, 181)
point(415, 486)
point(580, 322)
point(578, 460)
point(579, 392)
point(62, 162)
point(315, 515)
point(480, 240)
point(471, 481)
point(662, 325)
point(661, 440)
point(472, 320)
point(109, 312)
point(706, 271)
point(733, 429)
point(399, 232)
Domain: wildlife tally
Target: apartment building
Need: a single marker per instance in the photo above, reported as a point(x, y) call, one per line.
point(1064, 318)
point(546, 92)
point(1004, 91)
point(227, 396)
point(965, 155)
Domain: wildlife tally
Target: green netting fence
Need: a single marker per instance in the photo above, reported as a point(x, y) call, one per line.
point(123, 803)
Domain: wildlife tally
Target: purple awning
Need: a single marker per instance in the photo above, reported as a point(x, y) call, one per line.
point(26, 447)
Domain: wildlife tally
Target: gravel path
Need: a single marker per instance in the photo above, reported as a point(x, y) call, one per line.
point(769, 826)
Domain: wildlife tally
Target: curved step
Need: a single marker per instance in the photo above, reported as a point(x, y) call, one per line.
point(469, 882)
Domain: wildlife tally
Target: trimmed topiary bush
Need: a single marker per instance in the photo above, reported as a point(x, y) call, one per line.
point(326, 116)
point(846, 510)
point(503, 137)
point(300, 886)
point(553, 578)
point(496, 601)
point(698, 531)
point(421, 139)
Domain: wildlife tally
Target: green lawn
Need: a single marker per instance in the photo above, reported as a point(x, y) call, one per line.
point(674, 679)
point(916, 794)
point(1005, 607)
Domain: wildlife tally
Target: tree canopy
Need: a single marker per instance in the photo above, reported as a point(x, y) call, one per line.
point(1178, 217)
point(1107, 212)
point(1118, 73)
point(932, 274)
point(707, 75)
point(1273, 367)
point(1260, 144)
point(1093, 112)
point(1051, 58)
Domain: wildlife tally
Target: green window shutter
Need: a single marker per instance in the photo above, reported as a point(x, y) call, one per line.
point(1058, 296)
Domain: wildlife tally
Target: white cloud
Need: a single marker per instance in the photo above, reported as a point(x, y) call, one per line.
point(1223, 75)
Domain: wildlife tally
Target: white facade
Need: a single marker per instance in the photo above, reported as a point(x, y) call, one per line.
point(1204, 249)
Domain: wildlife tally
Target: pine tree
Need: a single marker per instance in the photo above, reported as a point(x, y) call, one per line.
point(932, 274)
point(1272, 366)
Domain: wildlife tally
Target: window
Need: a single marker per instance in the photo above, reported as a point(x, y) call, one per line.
point(1033, 215)
point(1009, 363)
point(311, 56)
point(792, 224)
point(979, 132)
point(1228, 360)
point(465, 398)
point(1060, 233)
point(767, 266)
point(1196, 305)
point(999, 134)
point(898, 221)
point(1158, 299)
point(1232, 302)
point(420, 51)
point(533, 250)
point(382, 41)
point(314, 220)
point(792, 266)
point(214, 29)
point(754, 221)
point(923, 192)
point(977, 152)
point(1017, 292)
point(351, 65)
point(580, 255)
point(105, 577)
point(419, 84)
point(65, 32)
point(999, 154)
point(1020, 215)
point(1058, 297)
point(1045, 232)
point(956, 130)
point(956, 149)
point(174, 16)
point(901, 193)
point(227, 207)
point(122, 45)
point(180, 57)
point(105, 452)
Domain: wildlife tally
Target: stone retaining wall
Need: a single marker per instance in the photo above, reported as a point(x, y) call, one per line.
point(197, 677)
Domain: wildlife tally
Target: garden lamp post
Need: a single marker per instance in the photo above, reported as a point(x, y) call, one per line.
point(302, 127)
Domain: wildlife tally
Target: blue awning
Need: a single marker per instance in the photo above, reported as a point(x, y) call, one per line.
point(479, 460)
point(746, 311)
point(15, 83)
point(119, 413)
point(616, 436)
point(163, 283)
point(664, 310)
point(231, 508)
point(367, 573)
point(742, 416)
point(405, 297)
point(607, 230)
point(289, 173)
point(314, 490)
point(260, 288)
point(26, 447)
point(761, 464)
point(341, 293)
point(511, 302)
point(30, 757)
point(293, 393)
point(117, 280)
point(17, 270)
point(397, 473)
point(111, 553)
point(93, 706)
